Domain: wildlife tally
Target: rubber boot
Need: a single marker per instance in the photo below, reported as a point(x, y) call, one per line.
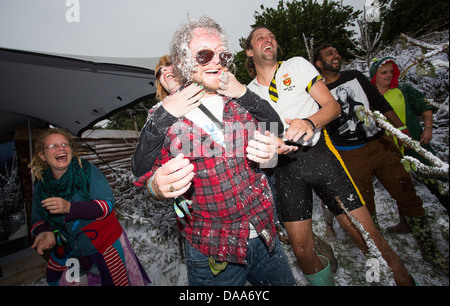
point(421, 230)
point(322, 247)
point(323, 277)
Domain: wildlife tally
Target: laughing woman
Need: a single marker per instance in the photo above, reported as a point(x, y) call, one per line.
point(73, 214)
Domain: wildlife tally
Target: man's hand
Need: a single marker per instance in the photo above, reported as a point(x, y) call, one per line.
point(298, 128)
point(262, 148)
point(284, 149)
point(230, 86)
point(174, 178)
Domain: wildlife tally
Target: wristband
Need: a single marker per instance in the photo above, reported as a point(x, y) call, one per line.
point(310, 122)
point(150, 189)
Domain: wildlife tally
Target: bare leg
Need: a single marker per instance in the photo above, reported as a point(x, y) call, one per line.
point(302, 241)
point(401, 275)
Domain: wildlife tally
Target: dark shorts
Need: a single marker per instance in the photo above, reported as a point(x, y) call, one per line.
point(319, 169)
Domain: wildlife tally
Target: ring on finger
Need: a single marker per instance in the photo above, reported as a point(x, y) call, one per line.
point(171, 188)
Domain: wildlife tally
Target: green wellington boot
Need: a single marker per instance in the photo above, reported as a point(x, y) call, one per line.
point(322, 247)
point(323, 277)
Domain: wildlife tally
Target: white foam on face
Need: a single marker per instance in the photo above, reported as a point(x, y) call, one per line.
point(184, 61)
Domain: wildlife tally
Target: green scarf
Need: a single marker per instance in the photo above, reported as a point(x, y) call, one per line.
point(76, 179)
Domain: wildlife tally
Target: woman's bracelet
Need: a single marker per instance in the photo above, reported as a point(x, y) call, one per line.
point(150, 189)
point(310, 122)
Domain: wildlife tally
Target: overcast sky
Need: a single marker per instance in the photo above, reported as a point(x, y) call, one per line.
point(118, 28)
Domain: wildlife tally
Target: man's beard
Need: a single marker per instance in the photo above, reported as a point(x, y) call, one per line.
point(207, 87)
point(329, 67)
point(271, 58)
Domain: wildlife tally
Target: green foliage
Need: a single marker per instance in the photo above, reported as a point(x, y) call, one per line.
point(327, 22)
point(131, 119)
point(415, 18)
point(239, 60)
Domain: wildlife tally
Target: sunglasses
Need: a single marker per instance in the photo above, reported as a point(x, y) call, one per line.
point(158, 73)
point(205, 56)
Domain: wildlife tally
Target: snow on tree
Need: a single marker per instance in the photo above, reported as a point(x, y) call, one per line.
point(368, 43)
point(439, 169)
point(373, 251)
point(425, 62)
point(10, 195)
point(309, 45)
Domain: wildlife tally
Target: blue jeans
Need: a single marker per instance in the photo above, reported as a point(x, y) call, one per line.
point(261, 269)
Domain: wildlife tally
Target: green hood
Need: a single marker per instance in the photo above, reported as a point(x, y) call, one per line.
point(377, 63)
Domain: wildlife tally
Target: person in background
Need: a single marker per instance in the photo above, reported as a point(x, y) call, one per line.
point(372, 152)
point(409, 104)
point(175, 104)
point(73, 215)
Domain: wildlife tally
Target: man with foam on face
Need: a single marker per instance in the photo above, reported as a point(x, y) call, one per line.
point(229, 230)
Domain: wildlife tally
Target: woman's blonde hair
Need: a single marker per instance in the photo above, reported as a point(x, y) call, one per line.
point(37, 165)
point(161, 92)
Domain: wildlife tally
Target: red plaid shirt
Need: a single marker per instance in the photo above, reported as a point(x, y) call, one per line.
point(228, 190)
